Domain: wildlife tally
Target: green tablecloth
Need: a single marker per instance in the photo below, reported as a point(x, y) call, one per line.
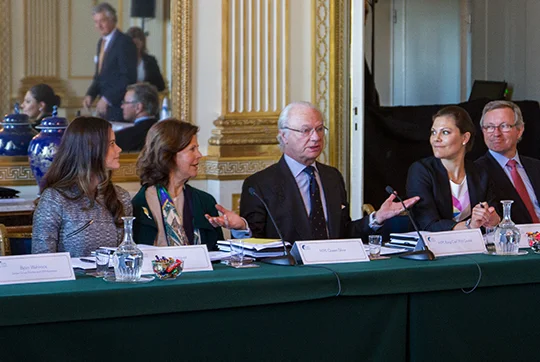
point(385, 312)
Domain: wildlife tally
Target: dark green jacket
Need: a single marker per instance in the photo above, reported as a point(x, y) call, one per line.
point(145, 228)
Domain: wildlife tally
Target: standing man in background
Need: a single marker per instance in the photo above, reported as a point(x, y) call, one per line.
point(116, 65)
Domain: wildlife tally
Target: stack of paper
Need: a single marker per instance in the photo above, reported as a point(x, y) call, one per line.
point(256, 247)
point(404, 240)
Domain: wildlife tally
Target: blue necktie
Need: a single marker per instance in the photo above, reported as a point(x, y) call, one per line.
point(316, 217)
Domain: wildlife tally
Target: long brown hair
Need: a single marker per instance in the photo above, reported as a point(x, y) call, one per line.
point(163, 141)
point(80, 160)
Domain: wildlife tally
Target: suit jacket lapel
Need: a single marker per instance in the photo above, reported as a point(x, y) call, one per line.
point(109, 47)
point(534, 176)
point(506, 191)
point(291, 202)
point(447, 209)
point(332, 200)
point(472, 182)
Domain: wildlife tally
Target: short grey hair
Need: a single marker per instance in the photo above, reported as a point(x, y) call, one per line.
point(518, 118)
point(283, 120)
point(146, 94)
point(107, 9)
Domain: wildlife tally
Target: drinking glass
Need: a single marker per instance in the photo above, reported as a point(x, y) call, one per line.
point(375, 243)
point(237, 253)
point(489, 239)
point(102, 262)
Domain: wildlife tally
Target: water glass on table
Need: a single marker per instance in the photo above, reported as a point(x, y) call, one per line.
point(489, 239)
point(375, 243)
point(102, 262)
point(237, 253)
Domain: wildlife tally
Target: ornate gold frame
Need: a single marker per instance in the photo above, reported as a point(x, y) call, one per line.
point(15, 171)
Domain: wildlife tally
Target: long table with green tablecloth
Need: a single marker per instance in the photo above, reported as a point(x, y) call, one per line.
point(386, 310)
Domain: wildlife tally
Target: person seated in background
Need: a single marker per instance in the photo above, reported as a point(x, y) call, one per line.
point(169, 211)
point(140, 106)
point(39, 102)
point(454, 194)
point(80, 209)
point(147, 66)
point(307, 198)
point(515, 177)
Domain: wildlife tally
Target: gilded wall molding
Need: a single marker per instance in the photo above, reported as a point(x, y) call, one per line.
point(16, 170)
point(255, 78)
point(233, 168)
point(5, 58)
point(329, 70)
point(181, 59)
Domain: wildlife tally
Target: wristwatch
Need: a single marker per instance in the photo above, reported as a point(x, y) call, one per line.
point(468, 223)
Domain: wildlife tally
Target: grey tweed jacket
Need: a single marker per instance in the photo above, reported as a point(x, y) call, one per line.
point(61, 224)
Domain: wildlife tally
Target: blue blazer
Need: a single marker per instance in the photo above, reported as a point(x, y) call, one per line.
point(277, 186)
point(505, 190)
point(119, 70)
point(428, 179)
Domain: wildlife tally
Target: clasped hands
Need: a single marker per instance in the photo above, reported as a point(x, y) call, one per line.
point(229, 219)
point(484, 215)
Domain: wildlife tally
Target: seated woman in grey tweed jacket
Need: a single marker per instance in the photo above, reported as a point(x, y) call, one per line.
point(80, 209)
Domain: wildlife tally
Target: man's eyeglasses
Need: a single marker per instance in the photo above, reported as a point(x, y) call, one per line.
point(306, 132)
point(503, 127)
point(129, 102)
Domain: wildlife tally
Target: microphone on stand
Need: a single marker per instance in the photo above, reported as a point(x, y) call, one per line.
point(286, 258)
point(421, 251)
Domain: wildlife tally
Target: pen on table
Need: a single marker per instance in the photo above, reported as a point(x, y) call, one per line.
point(87, 260)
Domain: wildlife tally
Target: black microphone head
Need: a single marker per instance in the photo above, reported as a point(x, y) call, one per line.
point(389, 189)
point(251, 191)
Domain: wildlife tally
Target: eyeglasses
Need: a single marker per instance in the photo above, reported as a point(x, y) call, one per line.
point(503, 127)
point(129, 102)
point(306, 132)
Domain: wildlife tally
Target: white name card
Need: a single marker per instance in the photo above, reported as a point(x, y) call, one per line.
point(329, 251)
point(195, 257)
point(524, 229)
point(36, 268)
point(455, 242)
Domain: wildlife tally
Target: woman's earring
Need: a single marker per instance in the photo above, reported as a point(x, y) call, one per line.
point(41, 109)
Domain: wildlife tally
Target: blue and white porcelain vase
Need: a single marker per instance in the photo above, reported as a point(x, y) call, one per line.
point(44, 146)
point(16, 134)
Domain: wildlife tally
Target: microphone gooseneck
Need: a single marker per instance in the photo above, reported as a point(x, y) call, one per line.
point(421, 251)
point(287, 258)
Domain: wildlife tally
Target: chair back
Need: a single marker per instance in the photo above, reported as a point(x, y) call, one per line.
point(5, 245)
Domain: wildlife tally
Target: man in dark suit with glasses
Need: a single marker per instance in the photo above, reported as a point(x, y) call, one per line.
point(515, 177)
point(307, 198)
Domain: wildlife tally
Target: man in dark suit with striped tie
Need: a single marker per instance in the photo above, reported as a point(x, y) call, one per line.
point(515, 177)
point(116, 65)
point(307, 198)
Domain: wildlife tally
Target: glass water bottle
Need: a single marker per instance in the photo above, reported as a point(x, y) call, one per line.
point(507, 235)
point(128, 259)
